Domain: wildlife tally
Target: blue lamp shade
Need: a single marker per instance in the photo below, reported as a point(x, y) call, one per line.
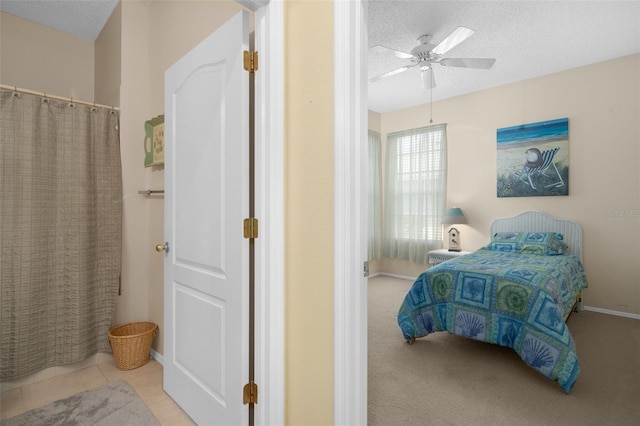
point(454, 216)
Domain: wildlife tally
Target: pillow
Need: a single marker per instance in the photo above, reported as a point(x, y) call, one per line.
point(502, 246)
point(546, 243)
point(542, 243)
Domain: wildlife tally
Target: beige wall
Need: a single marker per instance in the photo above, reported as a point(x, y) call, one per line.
point(133, 303)
point(309, 212)
point(43, 59)
point(604, 179)
point(374, 121)
point(108, 60)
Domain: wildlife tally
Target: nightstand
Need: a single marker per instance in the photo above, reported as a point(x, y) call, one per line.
point(439, 256)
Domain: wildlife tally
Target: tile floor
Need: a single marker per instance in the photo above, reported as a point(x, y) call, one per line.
point(146, 380)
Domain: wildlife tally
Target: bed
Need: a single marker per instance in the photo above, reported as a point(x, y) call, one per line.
point(517, 291)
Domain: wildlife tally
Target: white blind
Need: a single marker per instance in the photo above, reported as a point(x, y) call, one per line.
point(415, 192)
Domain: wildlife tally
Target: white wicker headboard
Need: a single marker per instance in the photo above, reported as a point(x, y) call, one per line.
point(541, 222)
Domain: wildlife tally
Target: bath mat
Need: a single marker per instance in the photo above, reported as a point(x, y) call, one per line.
point(115, 403)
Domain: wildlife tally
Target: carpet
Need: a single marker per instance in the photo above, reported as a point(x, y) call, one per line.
point(443, 379)
point(115, 403)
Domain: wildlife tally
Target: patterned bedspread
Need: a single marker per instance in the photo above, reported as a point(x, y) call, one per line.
point(510, 299)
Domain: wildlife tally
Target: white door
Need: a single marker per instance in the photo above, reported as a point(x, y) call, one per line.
point(206, 199)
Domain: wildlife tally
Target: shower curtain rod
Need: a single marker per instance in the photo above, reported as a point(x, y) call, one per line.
point(60, 98)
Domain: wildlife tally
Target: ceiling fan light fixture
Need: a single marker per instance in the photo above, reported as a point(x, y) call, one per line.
point(424, 39)
point(428, 81)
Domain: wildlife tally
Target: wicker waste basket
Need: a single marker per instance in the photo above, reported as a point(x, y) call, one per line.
point(131, 344)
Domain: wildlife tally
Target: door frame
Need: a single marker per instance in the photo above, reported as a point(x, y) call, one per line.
point(350, 212)
point(269, 209)
point(350, 302)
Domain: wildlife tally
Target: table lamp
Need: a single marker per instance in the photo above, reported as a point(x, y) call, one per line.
point(454, 216)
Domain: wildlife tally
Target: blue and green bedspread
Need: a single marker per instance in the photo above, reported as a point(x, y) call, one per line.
point(511, 299)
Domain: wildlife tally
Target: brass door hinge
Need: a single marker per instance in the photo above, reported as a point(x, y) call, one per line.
point(250, 61)
point(251, 228)
point(250, 393)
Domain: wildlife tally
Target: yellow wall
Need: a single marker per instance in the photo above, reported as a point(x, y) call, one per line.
point(309, 212)
point(40, 58)
point(604, 180)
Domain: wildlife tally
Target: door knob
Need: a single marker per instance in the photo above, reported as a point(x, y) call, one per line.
point(162, 248)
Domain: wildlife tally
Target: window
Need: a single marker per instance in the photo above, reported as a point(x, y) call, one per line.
point(415, 190)
point(375, 232)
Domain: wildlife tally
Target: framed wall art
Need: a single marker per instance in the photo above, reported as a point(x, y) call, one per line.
point(154, 141)
point(533, 159)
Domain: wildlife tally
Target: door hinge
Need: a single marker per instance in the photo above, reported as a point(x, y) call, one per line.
point(250, 61)
point(251, 228)
point(250, 393)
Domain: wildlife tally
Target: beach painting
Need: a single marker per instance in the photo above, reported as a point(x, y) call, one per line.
point(533, 159)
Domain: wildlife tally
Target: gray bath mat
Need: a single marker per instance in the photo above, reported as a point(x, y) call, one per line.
point(115, 403)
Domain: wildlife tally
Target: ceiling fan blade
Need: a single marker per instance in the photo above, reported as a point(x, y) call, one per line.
point(428, 80)
point(390, 73)
point(481, 63)
point(397, 53)
point(459, 35)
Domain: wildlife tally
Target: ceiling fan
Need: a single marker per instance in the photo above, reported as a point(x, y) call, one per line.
point(425, 55)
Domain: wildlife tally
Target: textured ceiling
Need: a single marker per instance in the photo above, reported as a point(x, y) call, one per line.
point(527, 38)
point(82, 18)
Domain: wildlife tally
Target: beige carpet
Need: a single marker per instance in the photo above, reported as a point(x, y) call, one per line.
point(444, 379)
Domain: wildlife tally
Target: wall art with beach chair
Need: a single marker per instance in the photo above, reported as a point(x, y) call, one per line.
point(533, 159)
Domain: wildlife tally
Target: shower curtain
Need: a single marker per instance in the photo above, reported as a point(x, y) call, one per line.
point(60, 231)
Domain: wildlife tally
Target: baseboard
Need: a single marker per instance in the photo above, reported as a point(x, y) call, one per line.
point(402, 277)
point(610, 312)
point(158, 357)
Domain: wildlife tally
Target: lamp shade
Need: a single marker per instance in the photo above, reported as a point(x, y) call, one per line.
point(454, 216)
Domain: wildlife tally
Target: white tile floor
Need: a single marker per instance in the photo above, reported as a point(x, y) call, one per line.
point(146, 380)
